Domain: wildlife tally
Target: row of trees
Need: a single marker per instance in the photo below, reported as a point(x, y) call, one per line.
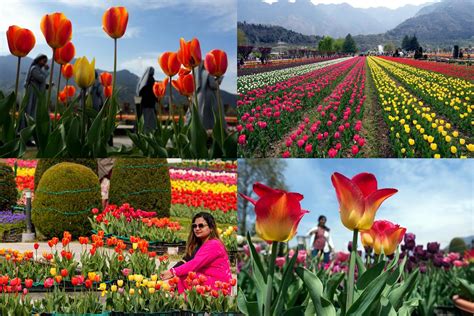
point(329, 45)
point(410, 43)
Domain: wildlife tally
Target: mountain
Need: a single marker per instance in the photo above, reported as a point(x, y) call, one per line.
point(259, 34)
point(336, 20)
point(126, 81)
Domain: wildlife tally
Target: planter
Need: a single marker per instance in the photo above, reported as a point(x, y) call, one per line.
point(465, 307)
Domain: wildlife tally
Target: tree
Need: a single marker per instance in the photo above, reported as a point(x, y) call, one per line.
point(326, 45)
point(244, 51)
point(264, 53)
point(349, 45)
point(338, 43)
point(267, 171)
point(241, 38)
point(389, 47)
point(406, 43)
point(414, 45)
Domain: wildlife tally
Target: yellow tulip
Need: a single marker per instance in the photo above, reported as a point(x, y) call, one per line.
point(411, 142)
point(462, 141)
point(437, 156)
point(448, 138)
point(52, 271)
point(455, 134)
point(84, 72)
point(131, 277)
point(120, 283)
point(151, 290)
point(102, 287)
point(454, 149)
point(132, 291)
point(433, 146)
point(154, 277)
point(470, 147)
point(113, 288)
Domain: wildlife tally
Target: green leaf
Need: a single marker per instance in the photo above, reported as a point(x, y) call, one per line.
point(42, 122)
point(396, 296)
point(260, 276)
point(285, 282)
point(332, 284)
point(322, 306)
point(56, 143)
point(197, 135)
point(73, 142)
point(369, 275)
point(408, 307)
point(360, 265)
point(363, 305)
point(295, 310)
point(395, 275)
point(466, 288)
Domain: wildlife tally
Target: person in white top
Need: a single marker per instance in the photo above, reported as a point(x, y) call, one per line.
point(322, 242)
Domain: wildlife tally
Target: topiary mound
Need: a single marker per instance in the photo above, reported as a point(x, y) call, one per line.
point(144, 183)
point(8, 191)
point(65, 195)
point(45, 164)
point(457, 245)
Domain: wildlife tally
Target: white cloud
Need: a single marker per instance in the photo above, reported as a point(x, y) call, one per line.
point(97, 31)
point(366, 3)
point(139, 64)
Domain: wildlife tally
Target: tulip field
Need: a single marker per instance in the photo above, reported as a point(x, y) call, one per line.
point(318, 110)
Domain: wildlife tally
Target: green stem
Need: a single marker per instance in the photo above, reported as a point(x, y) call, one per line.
point(57, 95)
point(67, 80)
point(83, 115)
point(115, 64)
point(16, 86)
point(267, 309)
point(195, 94)
point(350, 280)
point(219, 111)
point(48, 100)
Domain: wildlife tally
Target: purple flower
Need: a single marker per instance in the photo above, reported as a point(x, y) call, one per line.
point(349, 246)
point(422, 268)
point(11, 218)
point(409, 241)
point(433, 247)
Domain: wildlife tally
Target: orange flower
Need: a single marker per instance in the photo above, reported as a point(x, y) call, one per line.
point(359, 199)
point(20, 41)
point(278, 212)
point(183, 71)
point(383, 237)
point(105, 79)
point(108, 91)
point(57, 29)
point(159, 88)
point(184, 85)
point(70, 91)
point(114, 21)
point(62, 96)
point(216, 62)
point(169, 63)
point(67, 71)
point(189, 53)
point(65, 54)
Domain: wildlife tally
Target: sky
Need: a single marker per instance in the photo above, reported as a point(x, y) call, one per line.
point(392, 4)
point(435, 198)
point(154, 26)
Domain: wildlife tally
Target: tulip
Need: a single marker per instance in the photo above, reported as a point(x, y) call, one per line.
point(84, 72)
point(114, 22)
point(28, 283)
point(49, 282)
point(169, 63)
point(278, 212)
point(159, 89)
point(65, 54)
point(57, 29)
point(20, 41)
point(62, 96)
point(184, 85)
point(108, 91)
point(189, 53)
point(216, 62)
point(359, 199)
point(105, 79)
point(70, 91)
point(383, 237)
point(67, 70)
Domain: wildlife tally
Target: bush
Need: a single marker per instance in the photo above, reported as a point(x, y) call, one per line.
point(143, 183)
point(45, 164)
point(65, 195)
point(8, 191)
point(457, 245)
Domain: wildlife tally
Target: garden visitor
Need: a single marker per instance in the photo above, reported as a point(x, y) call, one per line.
point(104, 167)
point(35, 80)
point(322, 243)
point(206, 87)
point(205, 254)
point(97, 94)
point(148, 100)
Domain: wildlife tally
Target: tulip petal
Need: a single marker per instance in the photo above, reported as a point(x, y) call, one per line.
point(248, 198)
point(261, 189)
point(351, 200)
point(366, 182)
point(372, 204)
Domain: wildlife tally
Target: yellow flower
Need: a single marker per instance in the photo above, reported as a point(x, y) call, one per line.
point(138, 277)
point(131, 277)
point(470, 147)
point(433, 146)
point(151, 290)
point(430, 139)
point(53, 271)
point(113, 288)
point(437, 156)
point(135, 245)
point(411, 142)
point(154, 277)
point(131, 291)
point(403, 150)
point(120, 283)
point(91, 276)
point(151, 284)
point(462, 141)
point(145, 282)
point(448, 138)
point(102, 287)
point(455, 134)
point(84, 72)
point(454, 149)
point(165, 286)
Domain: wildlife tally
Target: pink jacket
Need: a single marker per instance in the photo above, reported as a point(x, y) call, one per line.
point(211, 260)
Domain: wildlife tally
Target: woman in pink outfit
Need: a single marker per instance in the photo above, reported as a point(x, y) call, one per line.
point(205, 254)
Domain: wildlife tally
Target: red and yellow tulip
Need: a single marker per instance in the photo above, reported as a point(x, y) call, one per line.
point(169, 63)
point(64, 54)
point(189, 53)
point(57, 29)
point(184, 85)
point(359, 199)
point(159, 88)
point(20, 41)
point(114, 21)
point(383, 237)
point(216, 62)
point(278, 212)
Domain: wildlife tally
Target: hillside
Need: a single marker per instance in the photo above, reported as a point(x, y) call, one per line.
point(259, 34)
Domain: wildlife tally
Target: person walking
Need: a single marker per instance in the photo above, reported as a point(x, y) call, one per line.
point(148, 100)
point(322, 242)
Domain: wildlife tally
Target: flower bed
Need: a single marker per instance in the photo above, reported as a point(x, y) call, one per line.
point(11, 226)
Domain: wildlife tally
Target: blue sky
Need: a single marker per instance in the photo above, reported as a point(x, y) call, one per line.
point(154, 26)
point(434, 199)
point(392, 4)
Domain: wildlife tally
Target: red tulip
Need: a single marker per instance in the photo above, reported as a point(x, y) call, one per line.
point(216, 62)
point(64, 273)
point(49, 282)
point(114, 21)
point(36, 245)
point(278, 212)
point(159, 88)
point(65, 54)
point(20, 41)
point(184, 85)
point(70, 91)
point(67, 71)
point(57, 29)
point(169, 63)
point(108, 91)
point(189, 53)
point(28, 283)
point(359, 199)
point(383, 237)
point(105, 79)
point(62, 96)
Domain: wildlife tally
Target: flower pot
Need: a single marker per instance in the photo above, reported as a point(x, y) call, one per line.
point(464, 306)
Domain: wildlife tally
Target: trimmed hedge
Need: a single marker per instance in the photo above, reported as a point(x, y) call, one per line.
point(65, 195)
point(45, 164)
point(8, 191)
point(144, 183)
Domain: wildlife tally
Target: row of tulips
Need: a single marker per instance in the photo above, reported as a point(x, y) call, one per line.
point(334, 130)
point(268, 113)
point(214, 165)
point(226, 178)
point(254, 81)
point(450, 97)
point(443, 68)
point(414, 129)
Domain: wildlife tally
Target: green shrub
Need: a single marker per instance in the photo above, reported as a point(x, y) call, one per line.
point(457, 245)
point(65, 195)
point(144, 183)
point(45, 164)
point(8, 191)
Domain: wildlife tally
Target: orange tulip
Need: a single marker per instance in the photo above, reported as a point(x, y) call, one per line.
point(169, 63)
point(114, 21)
point(105, 79)
point(184, 85)
point(183, 71)
point(70, 91)
point(216, 62)
point(383, 237)
point(57, 29)
point(159, 88)
point(65, 54)
point(108, 91)
point(189, 53)
point(67, 71)
point(20, 41)
point(278, 213)
point(359, 199)
point(62, 96)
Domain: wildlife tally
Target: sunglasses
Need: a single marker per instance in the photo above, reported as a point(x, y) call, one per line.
point(201, 226)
